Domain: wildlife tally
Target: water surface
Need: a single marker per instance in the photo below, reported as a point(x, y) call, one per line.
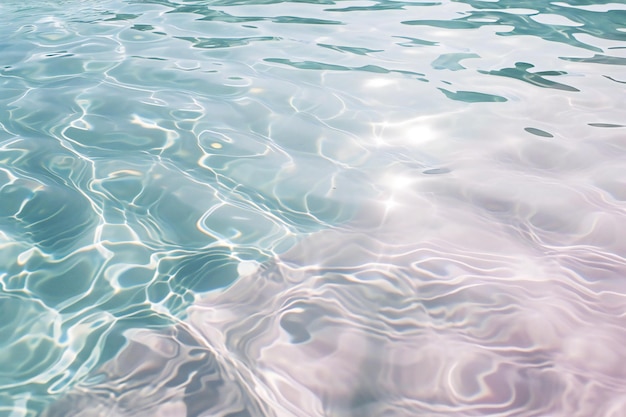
point(312, 208)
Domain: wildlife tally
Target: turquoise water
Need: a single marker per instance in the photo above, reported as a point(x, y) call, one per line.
point(312, 208)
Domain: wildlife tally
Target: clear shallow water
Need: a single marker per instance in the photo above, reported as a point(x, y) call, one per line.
point(312, 208)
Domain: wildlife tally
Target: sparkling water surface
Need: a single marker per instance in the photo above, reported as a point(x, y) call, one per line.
point(312, 208)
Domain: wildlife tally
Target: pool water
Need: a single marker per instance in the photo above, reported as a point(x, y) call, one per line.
point(312, 208)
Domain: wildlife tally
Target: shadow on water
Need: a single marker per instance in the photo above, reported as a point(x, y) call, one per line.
point(146, 380)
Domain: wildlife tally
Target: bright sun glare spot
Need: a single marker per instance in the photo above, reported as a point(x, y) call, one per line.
point(390, 204)
point(379, 82)
point(151, 124)
point(81, 124)
point(399, 182)
point(419, 134)
point(379, 141)
point(124, 173)
point(408, 132)
point(396, 182)
point(246, 268)
point(145, 123)
point(23, 257)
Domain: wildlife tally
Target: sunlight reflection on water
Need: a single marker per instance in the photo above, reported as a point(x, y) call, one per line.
point(312, 208)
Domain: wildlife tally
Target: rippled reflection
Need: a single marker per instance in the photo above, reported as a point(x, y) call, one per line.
point(312, 208)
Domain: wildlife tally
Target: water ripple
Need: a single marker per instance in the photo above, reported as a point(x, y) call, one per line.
point(312, 208)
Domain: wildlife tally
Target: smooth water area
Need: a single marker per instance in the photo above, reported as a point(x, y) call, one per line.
point(312, 208)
